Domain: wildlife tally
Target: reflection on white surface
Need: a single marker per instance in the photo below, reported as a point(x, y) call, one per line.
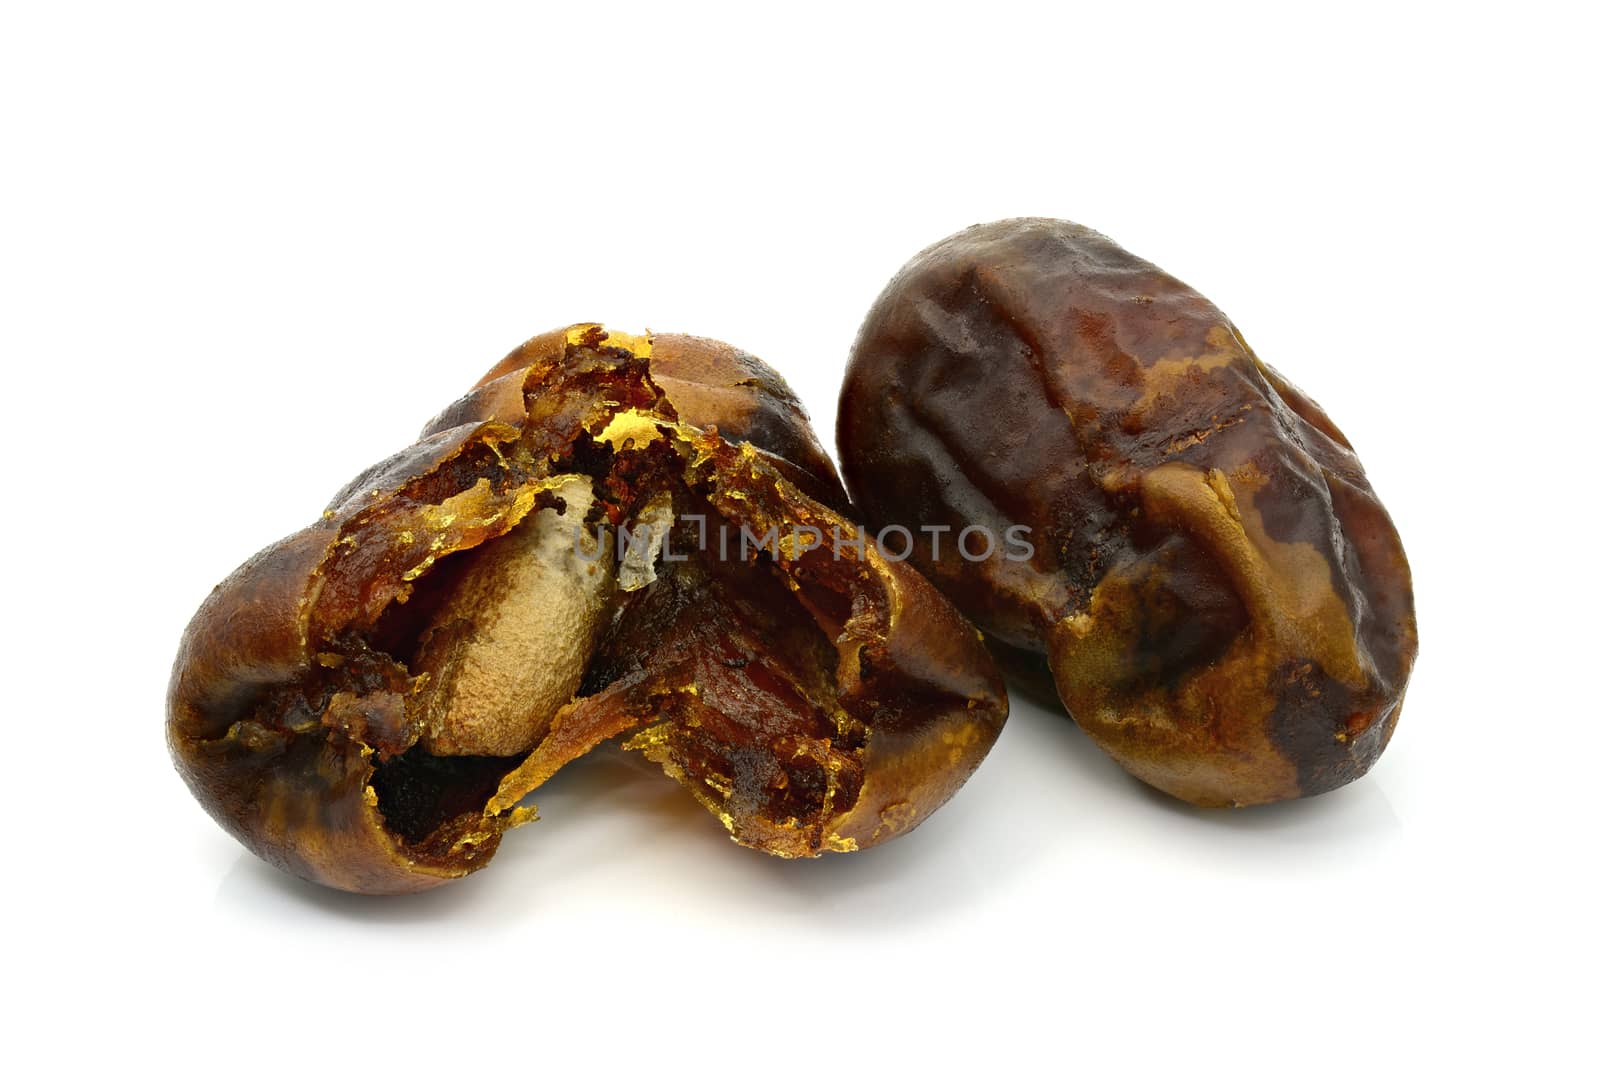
point(1046, 817)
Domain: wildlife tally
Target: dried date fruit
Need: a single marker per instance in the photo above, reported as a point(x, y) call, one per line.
point(609, 537)
point(1223, 603)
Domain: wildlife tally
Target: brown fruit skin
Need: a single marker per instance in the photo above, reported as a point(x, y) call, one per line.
point(717, 386)
point(1223, 602)
point(283, 753)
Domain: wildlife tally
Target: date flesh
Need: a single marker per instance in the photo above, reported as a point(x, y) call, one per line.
point(368, 702)
point(1222, 601)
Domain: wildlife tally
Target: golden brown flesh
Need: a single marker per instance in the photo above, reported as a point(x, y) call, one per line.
point(366, 702)
point(1224, 604)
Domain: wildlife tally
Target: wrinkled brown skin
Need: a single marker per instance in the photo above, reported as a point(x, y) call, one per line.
point(287, 716)
point(1224, 604)
point(716, 386)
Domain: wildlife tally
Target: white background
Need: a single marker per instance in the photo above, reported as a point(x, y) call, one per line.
point(246, 254)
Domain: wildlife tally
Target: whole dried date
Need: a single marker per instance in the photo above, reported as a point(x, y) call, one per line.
point(609, 536)
point(1223, 603)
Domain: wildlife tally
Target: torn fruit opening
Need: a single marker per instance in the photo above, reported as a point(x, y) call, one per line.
point(631, 598)
point(565, 557)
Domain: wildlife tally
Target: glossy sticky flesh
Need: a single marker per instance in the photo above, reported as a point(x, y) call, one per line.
point(1224, 603)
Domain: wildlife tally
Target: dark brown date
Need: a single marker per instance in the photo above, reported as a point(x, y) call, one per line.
point(1223, 603)
point(608, 537)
